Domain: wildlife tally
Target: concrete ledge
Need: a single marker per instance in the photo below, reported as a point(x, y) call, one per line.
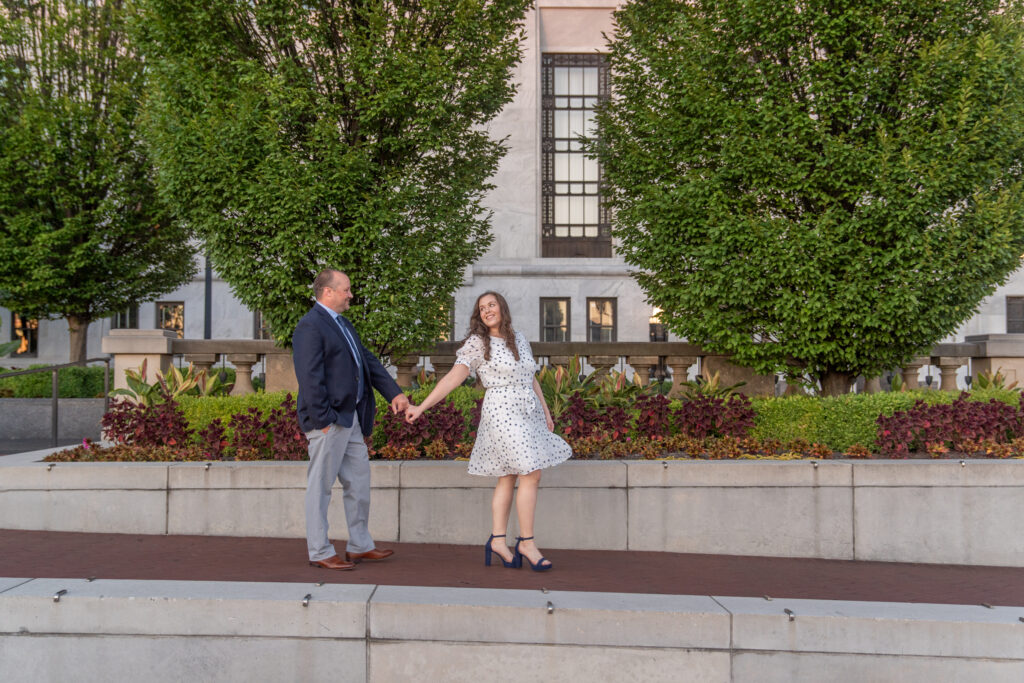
point(903, 511)
point(164, 630)
point(737, 473)
point(611, 619)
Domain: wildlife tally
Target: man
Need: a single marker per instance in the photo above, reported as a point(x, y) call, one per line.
point(337, 375)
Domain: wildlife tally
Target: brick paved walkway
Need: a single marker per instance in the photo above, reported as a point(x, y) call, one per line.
point(38, 554)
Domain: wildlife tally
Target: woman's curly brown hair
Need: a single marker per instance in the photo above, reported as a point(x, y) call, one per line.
point(477, 326)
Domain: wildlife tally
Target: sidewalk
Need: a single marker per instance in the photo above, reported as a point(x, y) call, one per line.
point(44, 554)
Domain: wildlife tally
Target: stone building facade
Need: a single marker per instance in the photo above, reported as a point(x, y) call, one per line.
point(552, 256)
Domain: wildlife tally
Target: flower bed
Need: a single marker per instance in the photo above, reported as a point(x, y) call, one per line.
point(903, 424)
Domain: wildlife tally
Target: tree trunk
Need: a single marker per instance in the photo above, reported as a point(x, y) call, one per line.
point(78, 329)
point(834, 383)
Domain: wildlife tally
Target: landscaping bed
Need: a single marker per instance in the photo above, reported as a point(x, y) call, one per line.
point(614, 424)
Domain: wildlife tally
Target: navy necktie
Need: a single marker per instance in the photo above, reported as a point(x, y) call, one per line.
point(355, 350)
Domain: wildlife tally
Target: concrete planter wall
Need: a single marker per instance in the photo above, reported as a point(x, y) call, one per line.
point(185, 630)
point(897, 511)
point(29, 418)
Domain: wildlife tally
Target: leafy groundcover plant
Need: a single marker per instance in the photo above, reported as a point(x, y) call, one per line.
point(893, 425)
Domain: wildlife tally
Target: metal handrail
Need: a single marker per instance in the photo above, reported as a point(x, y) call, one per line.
point(55, 389)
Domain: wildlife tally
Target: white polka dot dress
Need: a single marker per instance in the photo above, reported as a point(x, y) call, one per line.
point(513, 436)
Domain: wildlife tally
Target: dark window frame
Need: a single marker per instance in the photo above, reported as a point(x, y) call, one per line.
point(553, 246)
point(260, 328)
point(568, 317)
point(131, 313)
point(159, 324)
point(1014, 318)
point(615, 317)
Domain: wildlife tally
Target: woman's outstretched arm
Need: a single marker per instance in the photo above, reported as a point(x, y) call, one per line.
point(456, 376)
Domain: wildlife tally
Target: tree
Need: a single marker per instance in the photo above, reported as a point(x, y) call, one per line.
point(297, 136)
point(819, 188)
point(82, 232)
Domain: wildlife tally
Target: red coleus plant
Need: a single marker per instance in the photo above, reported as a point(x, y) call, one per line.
point(937, 427)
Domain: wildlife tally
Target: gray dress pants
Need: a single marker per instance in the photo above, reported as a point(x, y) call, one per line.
point(339, 454)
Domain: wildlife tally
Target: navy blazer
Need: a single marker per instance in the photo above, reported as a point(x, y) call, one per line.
point(326, 371)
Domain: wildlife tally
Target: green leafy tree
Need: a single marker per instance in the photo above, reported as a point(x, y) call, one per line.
point(819, 188)
point(296, 136)
point(82, 232)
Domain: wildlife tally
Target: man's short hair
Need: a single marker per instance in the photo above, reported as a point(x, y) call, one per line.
point(323, 280)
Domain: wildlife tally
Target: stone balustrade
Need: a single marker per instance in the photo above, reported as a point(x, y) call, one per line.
point(981, 353)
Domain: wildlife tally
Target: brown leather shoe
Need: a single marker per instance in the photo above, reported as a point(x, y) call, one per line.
point(333, 562)
point(375, 554)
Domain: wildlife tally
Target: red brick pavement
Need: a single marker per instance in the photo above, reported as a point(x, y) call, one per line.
point(38, 554)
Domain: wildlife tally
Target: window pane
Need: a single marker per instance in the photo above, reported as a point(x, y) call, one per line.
point(590, 81)
point(561, 210)
point(576, 80)
point(561, 81)
point(576, 122)
point(576, 210)
point(576, 167)
point(590, 169)
point(590, 210)
point(561, 167)
point(562, 124)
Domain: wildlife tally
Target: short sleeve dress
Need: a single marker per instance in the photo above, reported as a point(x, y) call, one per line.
point(513, 436)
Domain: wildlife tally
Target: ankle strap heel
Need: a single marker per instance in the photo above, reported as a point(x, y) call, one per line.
point(542, 564)
point(488, 551)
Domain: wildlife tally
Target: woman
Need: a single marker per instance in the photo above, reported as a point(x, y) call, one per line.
point(514, 439)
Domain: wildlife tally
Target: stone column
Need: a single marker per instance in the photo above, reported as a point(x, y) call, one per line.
point(442, 364)
point(603, 364)
point(555, 361)
point(280, 371)
point(406, 369)
point(729, 373)
point(641, 365)
point(243, 363)
point(873, 385)
point(680, 367)
point(911, 370)
point(948, 366)
point(202, 361)
point(131, 347)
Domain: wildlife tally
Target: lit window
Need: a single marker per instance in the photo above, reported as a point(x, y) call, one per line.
point(601, 320)
point(657, 329)
point(25, 330)
point(170, 315)
point(554, 320)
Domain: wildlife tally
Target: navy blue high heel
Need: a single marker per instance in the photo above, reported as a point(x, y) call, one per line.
point(488, 550)
point(519, 557)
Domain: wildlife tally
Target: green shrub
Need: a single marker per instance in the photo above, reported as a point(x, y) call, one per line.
point(75, 382)
point(200, 411)
point(841, 421)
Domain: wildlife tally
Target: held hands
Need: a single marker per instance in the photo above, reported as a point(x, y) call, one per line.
point(412, 413)
point(399, 403)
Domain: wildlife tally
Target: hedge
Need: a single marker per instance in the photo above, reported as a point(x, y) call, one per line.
point(74, 382)
point(841, 421)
